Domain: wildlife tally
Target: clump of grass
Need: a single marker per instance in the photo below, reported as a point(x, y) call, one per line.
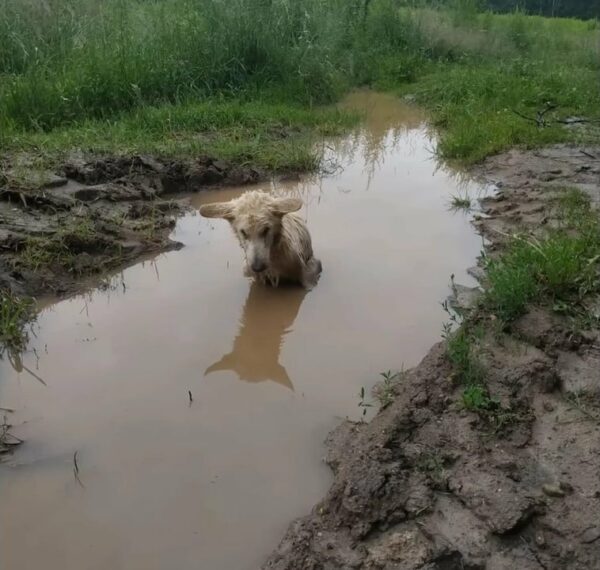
point(434, 463)
point(274, 136)
point(560, 268)
point(461, 348)
point(15, 315)
point(62, 248)
point(476, 398)
point(460, 202)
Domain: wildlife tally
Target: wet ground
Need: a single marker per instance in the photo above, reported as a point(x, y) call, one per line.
point(195, 401)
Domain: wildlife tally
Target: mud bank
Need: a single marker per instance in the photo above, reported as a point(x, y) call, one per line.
point(60, 227)
point(429, 485)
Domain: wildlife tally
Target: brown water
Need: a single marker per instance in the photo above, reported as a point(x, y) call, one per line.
point(212, 484)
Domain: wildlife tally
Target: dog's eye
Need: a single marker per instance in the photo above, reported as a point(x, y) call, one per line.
point(244, 234)
point(264, 233)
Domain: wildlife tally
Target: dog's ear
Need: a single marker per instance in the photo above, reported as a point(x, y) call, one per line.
point(283, 206)
point(217, 210)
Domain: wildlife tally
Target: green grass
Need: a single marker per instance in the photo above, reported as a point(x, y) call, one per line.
point(385, 391)
point(15, 314)
point(461, 348)
point(561, 268)
point(476, 398)
point(62, 248)
point(191, 76)
point(270, 135)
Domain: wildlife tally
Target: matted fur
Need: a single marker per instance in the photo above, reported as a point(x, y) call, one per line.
point(276, 242)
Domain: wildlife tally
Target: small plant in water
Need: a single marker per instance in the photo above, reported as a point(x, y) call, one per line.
point(458, 202)
point(363, 403)
point(15, 313)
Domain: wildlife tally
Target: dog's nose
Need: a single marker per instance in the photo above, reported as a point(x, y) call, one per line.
point(258, 266)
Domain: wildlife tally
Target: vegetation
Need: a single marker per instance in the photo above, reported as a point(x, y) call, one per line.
point(15, 314)
point(460, 202)
point(560, 269)
point(563, 8)
point(185, 76)
point(385, 391)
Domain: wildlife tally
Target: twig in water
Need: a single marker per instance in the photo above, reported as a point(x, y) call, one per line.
point(76, 469)
point(588, 154)
point(190, 397)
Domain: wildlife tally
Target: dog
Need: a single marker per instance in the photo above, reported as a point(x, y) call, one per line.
point(276, 242)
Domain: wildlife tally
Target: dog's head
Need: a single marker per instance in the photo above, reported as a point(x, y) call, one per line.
point(256, 219)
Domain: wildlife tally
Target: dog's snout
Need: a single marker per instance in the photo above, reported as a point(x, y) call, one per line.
point(258, 266)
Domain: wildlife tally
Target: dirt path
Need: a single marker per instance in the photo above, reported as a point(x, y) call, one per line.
point(60, 227)
point(429, 485)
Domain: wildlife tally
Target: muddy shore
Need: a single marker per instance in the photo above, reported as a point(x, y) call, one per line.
point(429, 485)
point(60, 228)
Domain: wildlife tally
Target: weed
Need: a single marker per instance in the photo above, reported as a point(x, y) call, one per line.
point(433, 463)
point(561, 268)
point(458, 202)
point(385, 390)
point(461, 340)
point(63, 248)
point(15, 315)
point(7, 440)
point(584, 404)
point(475, 397)
point(363, 404)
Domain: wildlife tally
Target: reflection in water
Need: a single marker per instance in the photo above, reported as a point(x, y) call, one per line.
point(267, 316)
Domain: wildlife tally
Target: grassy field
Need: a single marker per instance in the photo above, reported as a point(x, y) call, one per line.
point(247, 79)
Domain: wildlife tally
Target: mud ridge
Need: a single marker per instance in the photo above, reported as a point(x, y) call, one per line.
point(429, 485)
point(60, 228)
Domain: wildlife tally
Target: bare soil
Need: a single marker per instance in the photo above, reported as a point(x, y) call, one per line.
point(429, 485)
point(60, 226)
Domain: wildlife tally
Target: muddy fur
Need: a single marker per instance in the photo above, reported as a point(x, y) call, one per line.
point(428, 485)
point(276, 243)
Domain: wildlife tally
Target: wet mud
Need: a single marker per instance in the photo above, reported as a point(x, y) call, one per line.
point(60, 229)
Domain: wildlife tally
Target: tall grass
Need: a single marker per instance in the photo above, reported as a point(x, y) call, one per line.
point(66, 60)
point(63, 62)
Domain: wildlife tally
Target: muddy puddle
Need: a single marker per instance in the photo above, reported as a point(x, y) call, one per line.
point(212, 482)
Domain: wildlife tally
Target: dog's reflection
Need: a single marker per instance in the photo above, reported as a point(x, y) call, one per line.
point(269, 314)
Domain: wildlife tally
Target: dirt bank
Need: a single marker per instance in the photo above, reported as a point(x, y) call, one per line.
point(60, 226)
point(429, 485)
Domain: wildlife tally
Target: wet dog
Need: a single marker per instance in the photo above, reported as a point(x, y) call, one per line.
point(276, 242)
